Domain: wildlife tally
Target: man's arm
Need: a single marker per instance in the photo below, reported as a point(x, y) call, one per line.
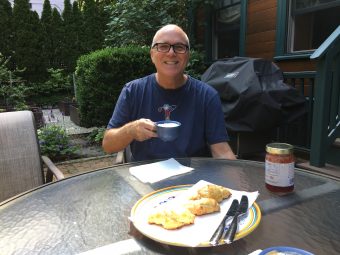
point(222, 150)
point(116, 139)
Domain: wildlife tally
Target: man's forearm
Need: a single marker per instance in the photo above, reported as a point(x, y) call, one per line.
point(116, 139)
point(222, 150)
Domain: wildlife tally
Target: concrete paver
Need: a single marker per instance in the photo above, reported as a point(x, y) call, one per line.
point(55, 117)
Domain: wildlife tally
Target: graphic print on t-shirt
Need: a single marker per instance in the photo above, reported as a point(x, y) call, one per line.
point(167, 110)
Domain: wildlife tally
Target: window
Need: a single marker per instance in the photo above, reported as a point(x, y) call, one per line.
point(226, 29)
point(303, 25)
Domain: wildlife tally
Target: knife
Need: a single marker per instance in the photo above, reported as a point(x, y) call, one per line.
point(243, 208)
point(214, 240)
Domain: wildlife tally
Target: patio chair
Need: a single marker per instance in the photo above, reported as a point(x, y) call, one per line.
point(21, 166)
point(124, 156)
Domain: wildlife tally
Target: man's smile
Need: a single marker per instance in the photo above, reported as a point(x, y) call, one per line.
point(171, 62)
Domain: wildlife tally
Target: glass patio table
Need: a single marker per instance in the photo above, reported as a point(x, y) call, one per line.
point(89, 213)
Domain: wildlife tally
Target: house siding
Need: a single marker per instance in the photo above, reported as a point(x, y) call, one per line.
point(261, 36)
point(261, 27)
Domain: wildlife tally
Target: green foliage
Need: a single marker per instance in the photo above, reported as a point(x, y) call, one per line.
point(101, 76)
point(196, 66)
point(93, 27)
point(135, 22)
point(26, 41)
point(57, 87)
point(12, 89)
point(96, 136)
point(46, 40)
point(56, 35)
point(71, 42)
point(58, 82)
point(55, 143)
point(6, 27)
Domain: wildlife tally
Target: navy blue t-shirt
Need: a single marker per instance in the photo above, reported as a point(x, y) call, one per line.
point(195, 105)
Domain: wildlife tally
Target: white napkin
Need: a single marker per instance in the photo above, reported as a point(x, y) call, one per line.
point(204, 226)
point(158, 171)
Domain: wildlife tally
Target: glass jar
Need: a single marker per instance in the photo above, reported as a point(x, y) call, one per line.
point(279, 167)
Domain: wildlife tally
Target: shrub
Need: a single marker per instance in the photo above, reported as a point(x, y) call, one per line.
point(55, 143)
point(101, 76)
point(56, 88)
point(96, 136)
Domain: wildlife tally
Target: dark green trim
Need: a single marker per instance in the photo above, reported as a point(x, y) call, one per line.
point(305, 74)
point(243, 28)
point(281, 25)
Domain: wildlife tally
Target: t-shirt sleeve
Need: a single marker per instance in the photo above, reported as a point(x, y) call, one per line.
point(121, 113)
point(216, 131)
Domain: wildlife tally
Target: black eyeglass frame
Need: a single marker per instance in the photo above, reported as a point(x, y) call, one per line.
point(171, 46)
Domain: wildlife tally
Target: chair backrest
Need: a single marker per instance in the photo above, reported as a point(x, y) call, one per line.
point(20, 161)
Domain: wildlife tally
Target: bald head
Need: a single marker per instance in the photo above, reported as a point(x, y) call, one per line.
point(167, 29)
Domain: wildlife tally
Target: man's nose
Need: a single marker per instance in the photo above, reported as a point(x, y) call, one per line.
point(171, 50)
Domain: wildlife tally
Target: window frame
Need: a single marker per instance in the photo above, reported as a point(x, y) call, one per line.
point(210, 26)
point(282, 35)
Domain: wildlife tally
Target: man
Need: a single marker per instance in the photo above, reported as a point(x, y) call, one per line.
point(168, 94)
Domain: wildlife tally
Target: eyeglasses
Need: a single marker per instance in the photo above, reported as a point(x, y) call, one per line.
point(165, 47)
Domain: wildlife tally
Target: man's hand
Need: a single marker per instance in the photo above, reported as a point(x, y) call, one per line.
point(142, 129)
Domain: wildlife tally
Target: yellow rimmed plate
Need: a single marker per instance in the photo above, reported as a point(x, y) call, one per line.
point(195, 235)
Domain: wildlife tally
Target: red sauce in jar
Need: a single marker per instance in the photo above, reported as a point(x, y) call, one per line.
point(279, 174)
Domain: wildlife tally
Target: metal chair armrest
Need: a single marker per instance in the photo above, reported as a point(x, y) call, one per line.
point(120, 158)
point(52, 170)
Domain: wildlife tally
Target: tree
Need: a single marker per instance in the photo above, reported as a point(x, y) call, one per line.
point(135, 22)
point(68, 36)
point(77, 31)
point(6, 28)
point(57, 38)
point(12, 89)
point(93, 30)
point(72, 25)
point(46, 42)
point(26, 40)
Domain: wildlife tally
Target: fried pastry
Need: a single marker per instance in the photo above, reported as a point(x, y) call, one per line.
point(202, 206)
point(212, 191)
point(171, 217)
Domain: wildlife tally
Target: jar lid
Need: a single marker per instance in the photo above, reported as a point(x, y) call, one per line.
point(279, 148)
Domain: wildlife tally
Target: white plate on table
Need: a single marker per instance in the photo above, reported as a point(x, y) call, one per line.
point(187, 236)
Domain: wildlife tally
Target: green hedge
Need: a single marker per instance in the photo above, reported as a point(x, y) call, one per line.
point(102, 74)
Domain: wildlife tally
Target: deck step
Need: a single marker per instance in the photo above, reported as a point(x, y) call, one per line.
point(328, 169)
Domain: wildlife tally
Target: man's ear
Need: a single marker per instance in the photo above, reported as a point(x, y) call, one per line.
point(152, 55)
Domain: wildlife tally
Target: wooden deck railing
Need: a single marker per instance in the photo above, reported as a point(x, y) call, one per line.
point(299, 132)
point(318, 130)
point(326, 110)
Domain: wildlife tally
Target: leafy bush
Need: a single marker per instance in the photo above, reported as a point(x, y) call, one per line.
point(56, 88)
point(96, 136)
point(55, 143)
point(102, 74)
point(196, 66)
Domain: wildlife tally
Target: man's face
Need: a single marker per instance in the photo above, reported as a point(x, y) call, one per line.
point(170, 64)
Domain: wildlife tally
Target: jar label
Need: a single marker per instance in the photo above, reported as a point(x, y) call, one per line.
point(278, 174)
